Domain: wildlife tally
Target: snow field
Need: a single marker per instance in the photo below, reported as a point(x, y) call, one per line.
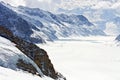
point(90, 58)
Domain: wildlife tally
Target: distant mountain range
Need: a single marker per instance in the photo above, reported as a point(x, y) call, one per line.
point(37, 26)
point(106, 19)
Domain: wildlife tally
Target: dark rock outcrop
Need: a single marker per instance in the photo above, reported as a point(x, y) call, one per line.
point(38, 55)
point(118, 38)
point(26, 66)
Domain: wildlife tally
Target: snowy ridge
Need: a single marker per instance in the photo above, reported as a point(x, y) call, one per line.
point(36, 25)
point(66, 25)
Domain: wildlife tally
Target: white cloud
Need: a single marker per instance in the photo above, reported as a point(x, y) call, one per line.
point(116, 5)
point(15, 2)
point(49, 5)
point(111, 29)
point(93, 16)
point(47, 1)
point(102, 5)
point(71, 4)
point(43, 4)
point(53, 5)
point(94, 4)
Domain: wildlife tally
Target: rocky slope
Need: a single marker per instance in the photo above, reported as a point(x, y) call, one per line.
point(36, 60)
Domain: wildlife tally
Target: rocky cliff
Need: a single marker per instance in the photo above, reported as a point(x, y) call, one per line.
point(38, 55)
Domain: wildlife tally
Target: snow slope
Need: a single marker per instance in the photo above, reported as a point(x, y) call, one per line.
point(90, 58)
point(8, 74)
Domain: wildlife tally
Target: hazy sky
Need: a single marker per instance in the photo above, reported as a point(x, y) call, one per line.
point(53, 5)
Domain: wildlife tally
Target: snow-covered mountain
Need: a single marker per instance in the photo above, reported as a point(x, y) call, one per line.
point(106, 19)
point(58, 25)
point(16, 24)
point(18, 54)
point(36, 25)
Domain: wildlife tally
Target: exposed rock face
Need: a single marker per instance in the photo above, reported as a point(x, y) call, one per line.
point(38, 55)
point(26, 66)
point(118, 38)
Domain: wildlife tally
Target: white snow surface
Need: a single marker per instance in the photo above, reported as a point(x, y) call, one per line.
point(87, 58)
point(9, 74)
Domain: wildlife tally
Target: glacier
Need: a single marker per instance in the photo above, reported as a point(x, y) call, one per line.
point(86, 58)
